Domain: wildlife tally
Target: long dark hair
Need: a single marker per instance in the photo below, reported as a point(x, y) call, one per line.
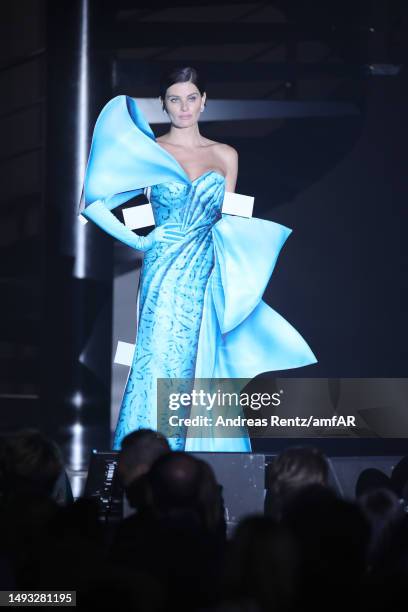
point(180, 75)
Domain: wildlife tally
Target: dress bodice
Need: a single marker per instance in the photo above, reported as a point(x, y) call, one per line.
point(196, 205)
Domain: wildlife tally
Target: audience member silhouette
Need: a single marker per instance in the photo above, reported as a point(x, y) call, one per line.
point(384, 511)
point(139, 451)
point(30, 463)
point(333, 539)
point(291, 471)
point(261, 569)
point(30, 466)
point(179, 535)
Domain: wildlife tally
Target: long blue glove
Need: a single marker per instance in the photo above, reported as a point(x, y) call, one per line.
point(100, 213)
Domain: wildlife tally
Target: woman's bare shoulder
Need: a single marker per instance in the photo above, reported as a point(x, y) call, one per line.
point(225, 152)
point(222, 146)
point(228, 161)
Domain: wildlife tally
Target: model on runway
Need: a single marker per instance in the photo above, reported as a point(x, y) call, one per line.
point(201, 313)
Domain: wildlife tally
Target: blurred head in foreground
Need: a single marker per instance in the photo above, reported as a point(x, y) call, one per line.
point(139, 451)
point(30, 463)
point(289, 472)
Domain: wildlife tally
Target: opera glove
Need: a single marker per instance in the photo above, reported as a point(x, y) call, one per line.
point(100, 213)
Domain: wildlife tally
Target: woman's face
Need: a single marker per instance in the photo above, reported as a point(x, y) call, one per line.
point(183, 103)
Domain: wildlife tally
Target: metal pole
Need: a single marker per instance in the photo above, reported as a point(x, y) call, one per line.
point(78, 259)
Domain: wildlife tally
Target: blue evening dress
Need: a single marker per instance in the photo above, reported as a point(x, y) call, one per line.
point(201, 313)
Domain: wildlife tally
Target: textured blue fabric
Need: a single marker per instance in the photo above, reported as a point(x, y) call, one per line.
point(201, 313)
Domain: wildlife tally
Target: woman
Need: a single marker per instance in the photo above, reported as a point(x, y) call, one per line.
point(201, 313)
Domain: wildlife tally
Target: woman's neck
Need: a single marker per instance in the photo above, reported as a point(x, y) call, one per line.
point(188, 137)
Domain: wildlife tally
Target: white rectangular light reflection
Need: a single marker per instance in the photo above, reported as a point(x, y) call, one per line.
point(138, 216)
point(238, 204)
point(124, 353)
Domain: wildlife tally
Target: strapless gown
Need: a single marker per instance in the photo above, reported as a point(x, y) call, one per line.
point(201, 312)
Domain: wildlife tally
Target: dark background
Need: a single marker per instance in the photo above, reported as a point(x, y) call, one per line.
point(338, 181)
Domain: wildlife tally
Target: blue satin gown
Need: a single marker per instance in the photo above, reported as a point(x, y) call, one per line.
point(201, 313)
